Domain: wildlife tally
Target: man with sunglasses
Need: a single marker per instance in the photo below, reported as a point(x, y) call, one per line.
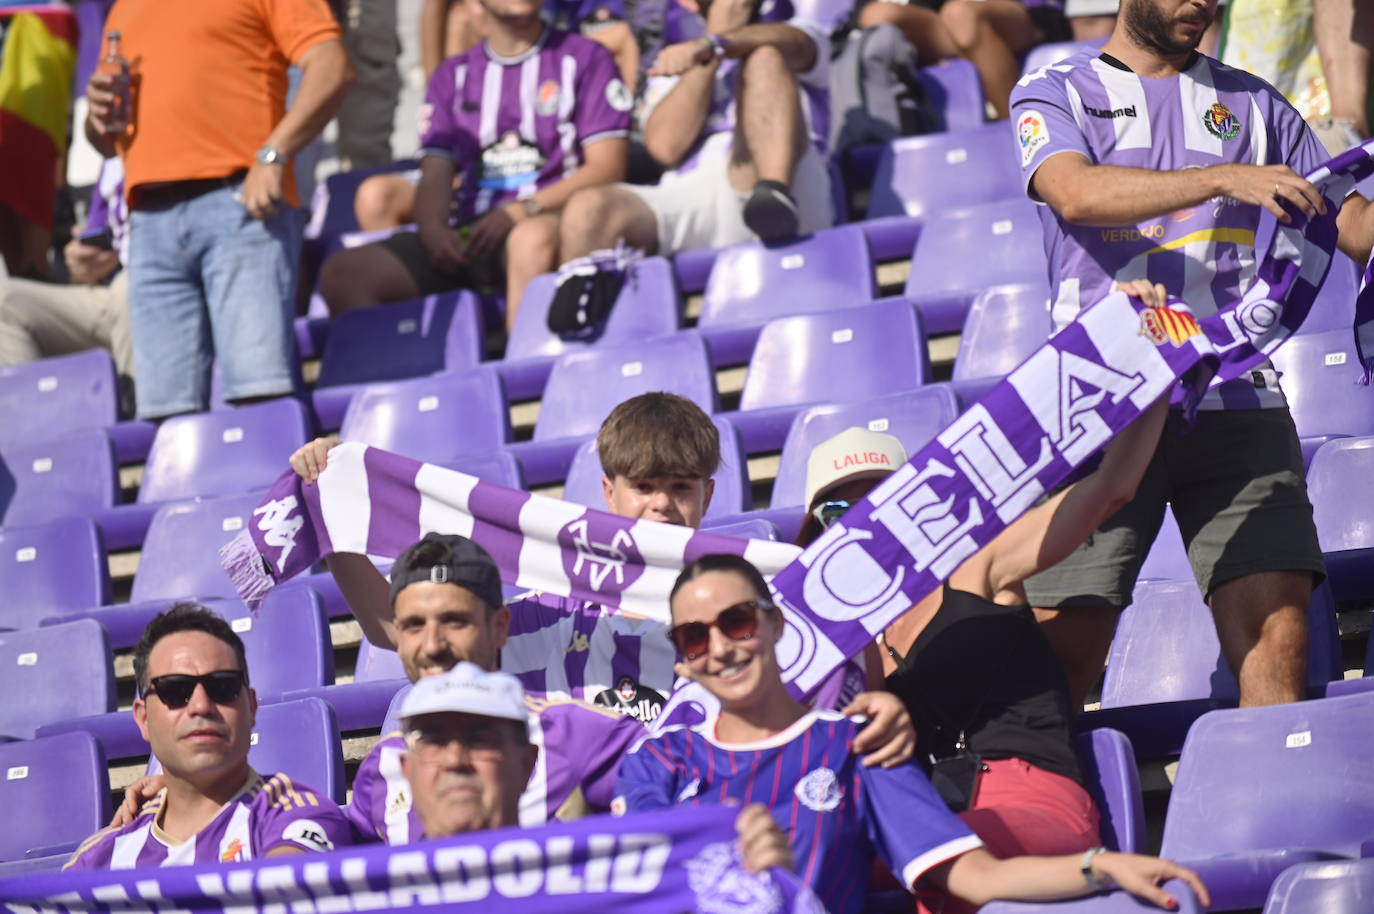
point(196, 709)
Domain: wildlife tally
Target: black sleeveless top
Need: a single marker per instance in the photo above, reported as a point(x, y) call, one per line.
point(988, 670)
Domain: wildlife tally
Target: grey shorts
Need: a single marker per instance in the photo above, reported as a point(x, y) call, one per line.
point(1238, 491)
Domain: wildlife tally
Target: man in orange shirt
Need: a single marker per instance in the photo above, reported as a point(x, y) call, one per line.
point(214, 229)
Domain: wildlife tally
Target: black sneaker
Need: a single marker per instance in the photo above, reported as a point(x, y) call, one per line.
point(771, 212)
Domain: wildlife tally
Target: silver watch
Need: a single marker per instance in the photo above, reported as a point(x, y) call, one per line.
point(269, 156)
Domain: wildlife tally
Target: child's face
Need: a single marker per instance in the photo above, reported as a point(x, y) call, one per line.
point(680, 500)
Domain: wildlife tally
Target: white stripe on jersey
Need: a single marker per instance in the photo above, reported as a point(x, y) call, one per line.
point(1125, 91)
point(396, 819)
point(529, 88)
point(238, 830)
point(1196, 96)
point(127, 847)
point(486, 129)
point(567, 130)
point(1259, 142)
point(534, 802)
point(1066, 305)
point(1199, 269)
point(1075, 104)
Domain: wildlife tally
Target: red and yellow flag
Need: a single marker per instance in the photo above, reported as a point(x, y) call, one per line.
point(37, 66)
point(1161, 324)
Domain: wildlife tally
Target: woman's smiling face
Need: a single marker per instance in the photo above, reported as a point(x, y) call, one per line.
point(731, 670)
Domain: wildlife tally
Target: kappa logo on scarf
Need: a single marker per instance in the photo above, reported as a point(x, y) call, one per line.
point(1165, 325)
point(599, 552)
point(722, 887)
point(278, 526)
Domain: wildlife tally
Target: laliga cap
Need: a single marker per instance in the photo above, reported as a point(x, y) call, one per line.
point(467, 689)
point(855, 453)
point(468, 565)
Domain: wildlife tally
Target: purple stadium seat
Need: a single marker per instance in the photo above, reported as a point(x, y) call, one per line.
point(843, 355)
point(954, 92)
point(583, 485)
point(287, 642)
point(55, 793)
point(300, 738)
point(54, 673)
point(398, 340)
point(499, 467)
point(435, 418)
point(1343, 510)
point(1261, 789)
point(586, 385)
point(1109, 768)
point(1334, 308)
point(925, 175)
point(963, 252)
point(392, 722)
point(648, 306)
point(1343, 887)
point(752, 283)
point(1166, 668)
point(49, 568)
point(50, 397)
point(786, 521)
point(181, 552)
point(72, 476)
point(1320, 374)
point(1045, 54)
point(1167, 560)
point(1005, 324)
point(1116, 901)
point(362, 703)
point(912, 417)
point(332, 213)
point(754, 528)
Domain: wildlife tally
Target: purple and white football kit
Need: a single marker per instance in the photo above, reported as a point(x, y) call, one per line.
point(837, 813)
point(267, 813)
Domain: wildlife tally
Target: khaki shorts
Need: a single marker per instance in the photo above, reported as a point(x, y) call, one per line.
point(1238, 491)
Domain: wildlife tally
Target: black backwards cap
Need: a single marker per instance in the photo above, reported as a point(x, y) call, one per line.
point(469, 566)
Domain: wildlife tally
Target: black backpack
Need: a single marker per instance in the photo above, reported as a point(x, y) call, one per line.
point(875, 93)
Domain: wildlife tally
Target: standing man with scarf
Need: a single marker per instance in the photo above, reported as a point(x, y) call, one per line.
point(1155, 162)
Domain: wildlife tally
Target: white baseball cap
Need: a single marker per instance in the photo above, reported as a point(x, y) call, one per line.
point(855, 453)
point(467, 689)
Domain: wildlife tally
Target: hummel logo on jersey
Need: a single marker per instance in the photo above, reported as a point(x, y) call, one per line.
point(1128, 111)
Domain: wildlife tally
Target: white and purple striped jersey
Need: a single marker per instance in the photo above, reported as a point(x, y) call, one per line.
point(1210, 114)
point(267, 813)
point(580, 748)
point(836, 812)
point(512, 125)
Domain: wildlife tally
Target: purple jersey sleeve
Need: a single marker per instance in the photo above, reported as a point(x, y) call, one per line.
point(439, 134)
point(607, 743)
point(603, 100)
point(366, 807)
point(911, 827)
point(648, 779)
point(1042, 121)
point(294, 815)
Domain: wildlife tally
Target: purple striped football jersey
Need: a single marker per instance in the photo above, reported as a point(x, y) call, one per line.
point(267, 813)
point(836, 812)
point(1209, 114)
point(512, 125)
point(580, 748)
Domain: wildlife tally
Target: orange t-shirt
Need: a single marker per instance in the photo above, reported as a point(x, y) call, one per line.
point(209, 81)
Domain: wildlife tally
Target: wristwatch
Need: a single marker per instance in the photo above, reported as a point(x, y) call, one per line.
point(269, 156)
point(1092, 879)
point(532, 206)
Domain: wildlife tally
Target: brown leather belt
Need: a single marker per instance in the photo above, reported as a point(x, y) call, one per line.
point(164, 195)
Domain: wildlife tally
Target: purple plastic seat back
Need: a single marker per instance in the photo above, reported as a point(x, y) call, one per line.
point(752, 528)
point(377, 663)
point(585, 386)
point(648, 306)
point(1166, 648)
point(52, 674)
point(1334, 308)
point(1167, 560)
point(71, 476)
point(224, 452)
point(583, 485)
point(1343, 887)
point(1005, 324)
point(392, 722)
point(1276, 777)
point(57, 791)
point(849, 354)
point(180, 557)
point(404, 339)
point(912, 417)
point(954, 92)
point(287, 643)
point(1342, 499)
point(753, 283)
point(499, 467)
point(926, 175)
point(301, 739)
point(1321, 376)
point(1109, 768)
point(49, 569)
point(1045, 54)
point(964, 252)
point(1117, 901)
point(50, 397)
point(435, 418)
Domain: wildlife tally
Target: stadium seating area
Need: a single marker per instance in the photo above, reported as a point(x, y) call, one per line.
point(895, 321)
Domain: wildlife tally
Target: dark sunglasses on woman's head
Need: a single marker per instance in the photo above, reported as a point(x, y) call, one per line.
point(175, 690)
point(827, 512)
point(738, 622)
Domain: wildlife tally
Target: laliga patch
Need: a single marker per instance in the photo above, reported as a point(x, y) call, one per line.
point(308, 833)
point(1220, 122)
point(618, 96)
point(1032, 133)
point(819, 790)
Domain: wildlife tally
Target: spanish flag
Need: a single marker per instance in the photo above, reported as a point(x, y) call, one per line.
point(37, 66)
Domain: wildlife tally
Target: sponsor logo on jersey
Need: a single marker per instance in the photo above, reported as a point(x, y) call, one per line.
point(632, 699)
point(1165, 325)
point(510, 162)
point(308, 833)
point(619, 806)
point(546, 100)
point(1127, 111)
point(399, 803)
point(1032, 133)
point(618, 96)
point(1220, 122)
point(819, 790)
point(232, 851)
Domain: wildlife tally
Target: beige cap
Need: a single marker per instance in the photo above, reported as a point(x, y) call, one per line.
point(855, 453)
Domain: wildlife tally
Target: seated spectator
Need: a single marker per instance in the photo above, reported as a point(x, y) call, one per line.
point(196, 710)
point(839, 814)
point(738, 118)
point(38, 319)
point(521, 142)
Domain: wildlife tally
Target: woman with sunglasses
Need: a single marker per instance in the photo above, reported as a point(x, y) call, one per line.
point(766, 747)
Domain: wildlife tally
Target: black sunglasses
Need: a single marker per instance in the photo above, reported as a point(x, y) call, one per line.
point(176, 689)
point(738, 622)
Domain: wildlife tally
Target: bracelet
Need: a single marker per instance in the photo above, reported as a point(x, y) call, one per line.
point(718, 44)
point(1091, 878)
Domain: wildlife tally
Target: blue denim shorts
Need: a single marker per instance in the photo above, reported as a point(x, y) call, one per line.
point(208, 281)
